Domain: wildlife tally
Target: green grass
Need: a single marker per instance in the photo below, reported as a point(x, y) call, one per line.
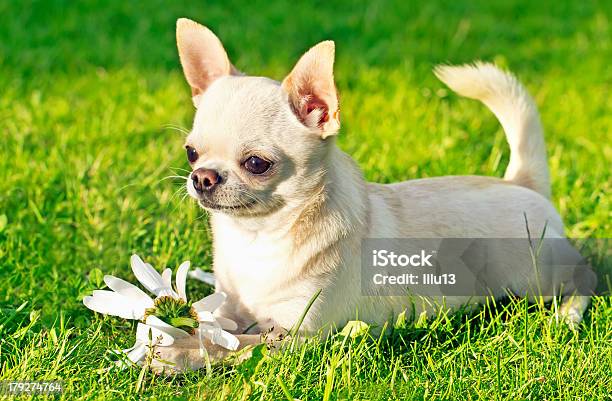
point(87, 97)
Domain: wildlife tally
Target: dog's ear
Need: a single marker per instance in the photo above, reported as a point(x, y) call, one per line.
point(202, 56)
point(312, 92)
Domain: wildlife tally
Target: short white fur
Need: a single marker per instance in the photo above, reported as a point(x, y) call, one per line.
point(310, 216)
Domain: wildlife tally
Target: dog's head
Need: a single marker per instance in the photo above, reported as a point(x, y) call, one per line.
point(257, 145)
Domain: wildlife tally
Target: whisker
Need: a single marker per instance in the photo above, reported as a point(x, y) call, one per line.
point(180, 191)
point(168, 177)
point(176, 128)
point(180, 169)
point(201, 216)
point(251, 195)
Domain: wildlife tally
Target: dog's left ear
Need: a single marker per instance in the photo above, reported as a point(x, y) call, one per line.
point(312, 92)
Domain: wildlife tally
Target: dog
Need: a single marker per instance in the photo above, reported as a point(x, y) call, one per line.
point(289, 210)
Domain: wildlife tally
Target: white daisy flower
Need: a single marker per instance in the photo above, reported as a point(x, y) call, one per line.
point(153, 333)
point(206, 277)
point(169, 315)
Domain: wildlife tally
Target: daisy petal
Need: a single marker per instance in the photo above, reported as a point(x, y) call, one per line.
point(146, 274)
point(199, 274)
point(128, 290)
point(134, 354)
point(158, 336)
point(227, 324)
point(167, 277)
point(220, 337)
point(219, 321)
point(210, 303)
point(112, 303)
point(181, 279)
point(157, 323)
point(165, 292)
point(206, 316)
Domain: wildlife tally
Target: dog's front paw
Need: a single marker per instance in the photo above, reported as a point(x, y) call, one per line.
point(192, 354)
point(572, 310)
point(186, 354)
point(571, 317)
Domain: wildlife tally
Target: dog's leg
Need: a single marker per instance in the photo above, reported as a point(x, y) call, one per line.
point(574, 280)
point(188, 354)
point(572, 309)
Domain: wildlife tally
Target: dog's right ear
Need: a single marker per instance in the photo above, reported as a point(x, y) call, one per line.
point(202, 56)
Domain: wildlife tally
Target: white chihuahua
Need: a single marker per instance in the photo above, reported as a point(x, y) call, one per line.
point(289, 209)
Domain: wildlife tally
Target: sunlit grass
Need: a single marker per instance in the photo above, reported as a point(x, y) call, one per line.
point(92, 104)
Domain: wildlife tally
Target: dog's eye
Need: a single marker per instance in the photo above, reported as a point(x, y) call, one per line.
point(192, 154)
point(256, 165)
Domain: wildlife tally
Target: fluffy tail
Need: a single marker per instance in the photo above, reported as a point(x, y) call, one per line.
point(517, 113)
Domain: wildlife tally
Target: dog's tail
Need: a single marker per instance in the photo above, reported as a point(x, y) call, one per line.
point(517, 113)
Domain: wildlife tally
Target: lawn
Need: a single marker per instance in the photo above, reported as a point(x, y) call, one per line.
point(93, 106)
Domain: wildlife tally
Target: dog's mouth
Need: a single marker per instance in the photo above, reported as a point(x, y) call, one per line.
point(217, 206)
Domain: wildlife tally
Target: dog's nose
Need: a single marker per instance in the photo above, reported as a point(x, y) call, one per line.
point(205, 179)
